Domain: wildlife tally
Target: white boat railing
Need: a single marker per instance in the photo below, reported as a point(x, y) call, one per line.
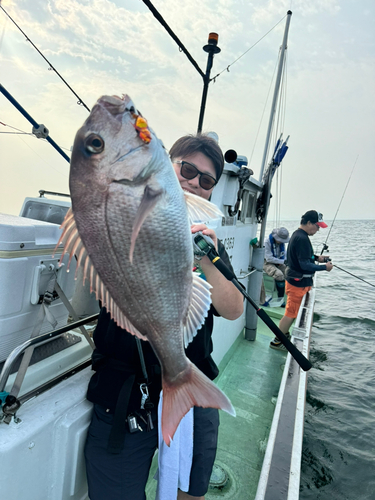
point(35, 342)
point(280, 474)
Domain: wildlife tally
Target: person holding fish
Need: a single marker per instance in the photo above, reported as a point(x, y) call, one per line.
point(131, 227)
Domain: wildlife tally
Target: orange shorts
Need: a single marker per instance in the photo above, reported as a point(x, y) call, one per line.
point(295, 295)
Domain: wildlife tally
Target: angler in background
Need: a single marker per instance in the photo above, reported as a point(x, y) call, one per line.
point(125, 391)
point(275, 256)
point(300, 270)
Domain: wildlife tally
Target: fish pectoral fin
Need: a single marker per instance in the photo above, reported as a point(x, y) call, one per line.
point(149, 200)
point(193, 389)
point(71, 240)
point(198, 309)
point(200, 209)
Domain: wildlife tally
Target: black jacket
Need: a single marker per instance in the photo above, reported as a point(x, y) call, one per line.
point(301, 265)
point(116, 357)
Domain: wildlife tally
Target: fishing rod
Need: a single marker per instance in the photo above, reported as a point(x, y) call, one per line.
point(80, 101)
point(39, 130)
point(203, 245)
point(325, 246)
point(211, 48)
point(181, 46)
point(341, 269)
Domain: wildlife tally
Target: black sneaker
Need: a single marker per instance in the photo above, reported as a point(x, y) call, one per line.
point(276, 344)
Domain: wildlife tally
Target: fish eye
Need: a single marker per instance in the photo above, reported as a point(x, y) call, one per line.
point(94, 144)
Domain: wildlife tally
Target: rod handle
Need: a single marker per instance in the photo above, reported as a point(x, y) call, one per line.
point(303, 362)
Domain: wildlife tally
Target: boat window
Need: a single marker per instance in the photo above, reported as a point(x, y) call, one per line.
point(246, 214)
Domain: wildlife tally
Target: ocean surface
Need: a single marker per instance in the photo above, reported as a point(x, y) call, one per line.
point(338, 461)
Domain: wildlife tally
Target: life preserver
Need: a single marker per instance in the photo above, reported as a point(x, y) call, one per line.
point(274, 246)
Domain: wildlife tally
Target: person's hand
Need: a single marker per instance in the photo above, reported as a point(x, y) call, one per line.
point(205, 230)
point(322, 258)
point(329, 266)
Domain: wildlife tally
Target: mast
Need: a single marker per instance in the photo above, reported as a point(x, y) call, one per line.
point(272, 115)
point(255, 279)
point(276, 92)
point(211, 48)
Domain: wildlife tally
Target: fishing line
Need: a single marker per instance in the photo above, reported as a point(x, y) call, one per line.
point(21, 132)
point(3, 32)
point(80, 101)
point(325, 247)
point(65, 175)
point(341, 269)
point(325, 244)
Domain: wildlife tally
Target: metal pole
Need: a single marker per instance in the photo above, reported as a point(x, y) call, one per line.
point(255, 280)
point(32, 121)
point(212, 49)
point(264, 221)
point(276, 92)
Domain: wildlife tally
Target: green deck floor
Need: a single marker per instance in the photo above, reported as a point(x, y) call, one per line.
point(250, 376)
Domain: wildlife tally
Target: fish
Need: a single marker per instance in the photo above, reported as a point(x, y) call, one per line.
point(129, 228)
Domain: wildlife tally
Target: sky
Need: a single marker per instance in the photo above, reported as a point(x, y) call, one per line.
point(118, 47)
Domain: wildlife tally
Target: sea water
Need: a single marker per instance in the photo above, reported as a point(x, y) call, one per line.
point(338, 461)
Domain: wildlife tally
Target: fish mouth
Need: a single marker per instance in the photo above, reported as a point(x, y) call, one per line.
point(116, 105)
point(114, 100)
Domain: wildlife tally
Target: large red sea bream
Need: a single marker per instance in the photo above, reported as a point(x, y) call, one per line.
point(129, 226)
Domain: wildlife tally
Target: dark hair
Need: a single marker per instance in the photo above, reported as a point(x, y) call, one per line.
point(200, 143)
point(310, 216)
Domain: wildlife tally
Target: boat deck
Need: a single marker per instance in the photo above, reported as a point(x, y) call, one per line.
point(250, 375)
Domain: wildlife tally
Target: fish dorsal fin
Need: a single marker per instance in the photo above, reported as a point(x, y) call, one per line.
point(73, 245)
point(200, 209)
point(198, 310)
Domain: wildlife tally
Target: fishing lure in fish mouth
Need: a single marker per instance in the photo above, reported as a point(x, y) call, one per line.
point(141, 126)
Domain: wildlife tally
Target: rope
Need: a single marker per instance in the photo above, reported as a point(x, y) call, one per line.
point(276, 133)
point(256, 43)
point(264, 109)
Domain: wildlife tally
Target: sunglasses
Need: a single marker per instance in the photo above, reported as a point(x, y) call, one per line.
point(190, 171)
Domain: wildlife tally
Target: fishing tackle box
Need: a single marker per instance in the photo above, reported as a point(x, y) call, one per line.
point(26, 268)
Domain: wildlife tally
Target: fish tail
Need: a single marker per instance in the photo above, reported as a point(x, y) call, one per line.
point(195, 390)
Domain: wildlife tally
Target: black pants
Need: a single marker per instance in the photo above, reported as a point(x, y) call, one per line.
point(120, 476)
point(124, 476)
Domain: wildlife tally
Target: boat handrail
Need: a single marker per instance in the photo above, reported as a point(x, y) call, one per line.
point(40, 340)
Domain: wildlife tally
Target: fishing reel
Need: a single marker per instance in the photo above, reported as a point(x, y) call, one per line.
point(202, 245)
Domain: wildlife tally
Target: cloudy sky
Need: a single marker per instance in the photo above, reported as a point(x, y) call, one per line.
point(117, 46)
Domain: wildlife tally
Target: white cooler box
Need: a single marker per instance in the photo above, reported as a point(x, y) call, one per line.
point(26, 266)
